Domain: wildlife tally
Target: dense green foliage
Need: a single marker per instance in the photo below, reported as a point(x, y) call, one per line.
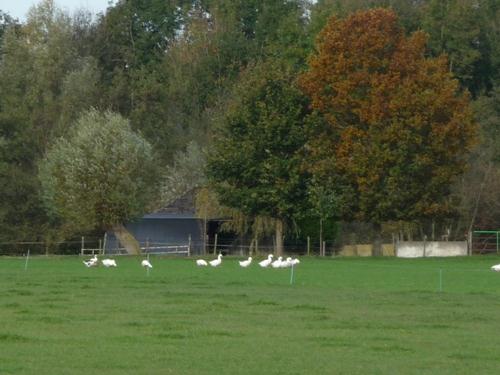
point(173, 68)
point(101, 175)
point(256, 161)
point(255, 165)
point(349, 316)
point(35, 61)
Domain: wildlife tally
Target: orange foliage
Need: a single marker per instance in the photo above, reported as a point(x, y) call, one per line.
point(402, 128)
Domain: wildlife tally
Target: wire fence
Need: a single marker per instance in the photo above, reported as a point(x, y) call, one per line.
point(95, 245)
point(17, 248)
point(479, 242)
point(147, 248)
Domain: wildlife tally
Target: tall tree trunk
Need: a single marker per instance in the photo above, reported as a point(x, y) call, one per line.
point(377, 241)
point(279, 237)
point(126, 239)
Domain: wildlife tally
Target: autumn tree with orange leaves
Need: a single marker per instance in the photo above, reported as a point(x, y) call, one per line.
point(397, 128)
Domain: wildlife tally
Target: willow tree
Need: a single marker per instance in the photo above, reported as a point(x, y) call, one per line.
point(101, 176)
point(397, 127)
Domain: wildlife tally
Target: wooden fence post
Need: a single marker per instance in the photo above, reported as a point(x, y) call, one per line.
point(104, 241)
point(469, 242)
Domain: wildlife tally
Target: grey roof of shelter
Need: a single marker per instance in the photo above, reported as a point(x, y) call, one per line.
point(181, 208)
point(168, 215)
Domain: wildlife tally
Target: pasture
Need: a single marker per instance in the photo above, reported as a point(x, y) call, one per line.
point(340, 316)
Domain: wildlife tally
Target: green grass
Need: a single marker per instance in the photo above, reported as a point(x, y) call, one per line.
point(341, 316)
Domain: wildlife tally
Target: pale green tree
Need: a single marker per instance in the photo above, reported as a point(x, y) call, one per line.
point(100, 176)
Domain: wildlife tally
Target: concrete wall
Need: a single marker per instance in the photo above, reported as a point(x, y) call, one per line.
point(416, 249)
point(410, 249)
point(366, 250)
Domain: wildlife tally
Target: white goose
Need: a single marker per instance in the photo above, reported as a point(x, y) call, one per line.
point(496, 268)
point(108, 263)
point(89, 263)
point(286, 263)
point(146, 264)
point(245, 263)
point(216, 262)
point(277, 263)
point(295, 261)
point(92, 262)
point(266, 262)
point(201, 263)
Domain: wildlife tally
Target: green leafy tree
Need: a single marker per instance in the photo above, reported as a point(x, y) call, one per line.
point(218, 40)
point(269, 28)
point(6, 21)
point(409, 12)
point(477, 191)
point(79, 92)
point(21, 216)
point(463, 30)
point(255, 164)
point(323, 205)
point(132, 35)
point(101, 176)
point(397, 128)
point(35, 58)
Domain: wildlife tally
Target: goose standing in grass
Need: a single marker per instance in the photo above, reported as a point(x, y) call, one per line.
point(146, 264)
point(286, 263)
point(201, 263)
point(277, 263)
point(92, 262)
point(216, 262)
point(295, 261)
point(246, 263)
point(108, 263)
point(496, 268)
point(89, 263)
point(266, 262)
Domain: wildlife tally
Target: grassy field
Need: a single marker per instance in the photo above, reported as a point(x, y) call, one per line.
point(340, 316)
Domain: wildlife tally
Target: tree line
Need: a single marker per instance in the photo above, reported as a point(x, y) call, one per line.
point(278, 112)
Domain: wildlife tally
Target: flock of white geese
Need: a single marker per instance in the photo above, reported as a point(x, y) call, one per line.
point(278, 263)
point(268, 262)
point(94, 262)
